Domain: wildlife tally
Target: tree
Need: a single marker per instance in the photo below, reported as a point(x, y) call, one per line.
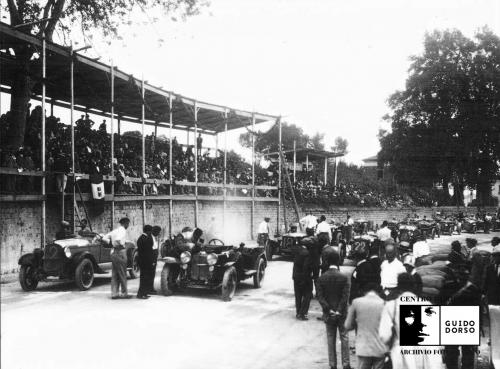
point(44, 17)
point(268, 141)
point(446, 123)
point(341, 145)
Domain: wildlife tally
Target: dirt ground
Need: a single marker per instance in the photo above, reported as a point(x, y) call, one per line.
point(58, 326)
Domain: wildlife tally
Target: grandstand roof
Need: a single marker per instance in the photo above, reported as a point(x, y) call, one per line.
point(302, 153)
point(92, 81)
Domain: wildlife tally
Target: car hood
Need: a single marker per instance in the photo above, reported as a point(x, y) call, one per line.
point(79, 242)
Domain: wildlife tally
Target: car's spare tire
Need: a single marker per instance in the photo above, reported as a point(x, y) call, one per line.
point(229, 283)
point(84, 274)
point(135, 271)
point(167, 282)
point(27, 278)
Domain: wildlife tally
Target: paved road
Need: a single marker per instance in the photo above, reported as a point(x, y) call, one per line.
point(58, 326)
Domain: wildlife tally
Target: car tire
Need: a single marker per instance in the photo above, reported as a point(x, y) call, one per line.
point(229, 283)
point(166, 283)
point(135, 271)
point(433, 233)
point(84, 275)
point(451, 230)
point(342, 252)
point(260, 274)
point(26, 278)
point(474, 230)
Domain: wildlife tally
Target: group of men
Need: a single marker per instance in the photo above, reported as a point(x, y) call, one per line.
point(147, 248)
point(381, 275)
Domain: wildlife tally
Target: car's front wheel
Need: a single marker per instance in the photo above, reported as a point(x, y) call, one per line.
point(27, 278)
point(268, 250)
point(135, 271)
point(229, 283)
point(84, 275)
point(261, 272)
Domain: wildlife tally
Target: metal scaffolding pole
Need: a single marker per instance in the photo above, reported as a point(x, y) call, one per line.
point(279, 178)
point(335, 177)
point(44, 215)
point(252, 214)
point(225, 176)
point(112, 130)
point(307, 163)
point(143, 118)
point(72, 119)
point(195, 164)
point(170, 176)
point(294, 160)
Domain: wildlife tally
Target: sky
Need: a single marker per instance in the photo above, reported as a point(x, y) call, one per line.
point(326, 65)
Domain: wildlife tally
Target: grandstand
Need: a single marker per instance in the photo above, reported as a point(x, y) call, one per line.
point(70, 80)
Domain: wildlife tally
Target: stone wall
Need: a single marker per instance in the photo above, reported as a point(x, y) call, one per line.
point(20, 224)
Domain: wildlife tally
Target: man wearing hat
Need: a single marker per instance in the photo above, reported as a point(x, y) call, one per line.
point(117, 239)
point(65, 231)
point(263, 236)
point(302, 279)
point(145, 253)
point(310, 222)
point(409, 264)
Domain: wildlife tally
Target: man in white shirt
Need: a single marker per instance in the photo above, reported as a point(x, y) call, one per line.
point(389, 271)
point(263, 236)
point(117, 239)
point(309, 222)
point(156, 245)
point(420, 248)
point(384, 233)
point(323, 230)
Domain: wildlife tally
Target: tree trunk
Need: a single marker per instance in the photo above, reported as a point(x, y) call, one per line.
point(20, 98)
point(458, 194)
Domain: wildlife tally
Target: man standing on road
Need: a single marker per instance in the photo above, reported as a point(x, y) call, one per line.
point(310, 222)
point(493, 278)
point(384, 233)
point(333, 294)
point(117, 238)
point(323, 230)
point(145, 250)
point(389, 271)
point(156, 247)
point(364, 316)
point(263, 236)
point(302, 280)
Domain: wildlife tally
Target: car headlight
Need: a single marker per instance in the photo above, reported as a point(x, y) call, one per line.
point(211, 259)
point(185, 257)
point(67, 252)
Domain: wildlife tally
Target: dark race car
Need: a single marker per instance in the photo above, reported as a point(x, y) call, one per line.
point(213, 265)
point(74, 258)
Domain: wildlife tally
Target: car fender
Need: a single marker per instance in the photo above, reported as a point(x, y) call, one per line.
point(34, 258)
point(77, 258)
point(229, 264)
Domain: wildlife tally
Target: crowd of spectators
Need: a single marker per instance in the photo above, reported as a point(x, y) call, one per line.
point(93, 155)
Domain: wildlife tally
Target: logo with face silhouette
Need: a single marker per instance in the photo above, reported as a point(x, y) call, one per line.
point(419, 325)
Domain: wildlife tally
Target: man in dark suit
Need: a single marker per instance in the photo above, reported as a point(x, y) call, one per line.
point(362, 274)
point(492, 284)
point(146, 259)
point(333, 295)
point(156, 246)
point(302, 279)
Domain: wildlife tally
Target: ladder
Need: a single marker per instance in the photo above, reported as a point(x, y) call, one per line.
point(288, 184)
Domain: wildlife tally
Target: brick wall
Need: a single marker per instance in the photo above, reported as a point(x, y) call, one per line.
point(20, 222)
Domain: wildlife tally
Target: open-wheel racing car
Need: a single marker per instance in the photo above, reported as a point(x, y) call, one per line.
point(73, 258)
point(189, 263)
point(288, 243)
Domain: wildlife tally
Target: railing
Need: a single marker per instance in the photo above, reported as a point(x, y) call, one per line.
point(181, 190)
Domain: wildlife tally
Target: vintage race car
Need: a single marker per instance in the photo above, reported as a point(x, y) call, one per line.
point(361, 227)
point(74, 258)
point(213, 265)
point(288, 243)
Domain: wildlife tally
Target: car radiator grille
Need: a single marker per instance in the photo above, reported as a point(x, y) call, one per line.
point(199, 268)
point(53, 257)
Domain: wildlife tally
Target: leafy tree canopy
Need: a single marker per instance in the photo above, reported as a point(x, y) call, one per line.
point(268, 141)
point(446, 123)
